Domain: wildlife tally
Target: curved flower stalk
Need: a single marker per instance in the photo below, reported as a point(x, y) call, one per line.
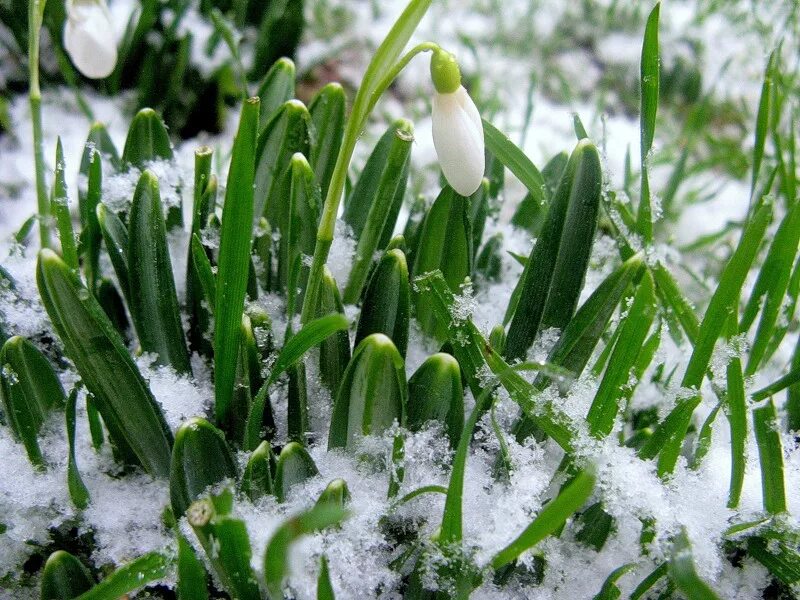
point(89, 38)
point(457, 127)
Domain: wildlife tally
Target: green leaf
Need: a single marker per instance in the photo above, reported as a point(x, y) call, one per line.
point(91, 234)
point(334, 351)
point(451, 529)
point(295, 465)
point(596, 526)
point(779, 556)
point(668, 437)
point(279, 34)
point(683, 573)
point(204, 272)
point(550, 286)
point(200, 458)
point(309, 336)
point(297, 220)
point(148, 568)
point(770, 456)
point(276, 556)
point(386, 306)
point(435, 393)
point(336, 493)
point(633, 332)
point(610, 591)
point(550, 518)
point(277, 88)
point(375, 202)
point(650, 77)
point(324, 586)
point(64, 577)
point(763, 117)
point(115, 236)
point(154, 307)
point(77, 489)
point(129, 410)
point(287, 132)
point(227, 546)
point(234, 261)
point(327, 111)
point(60, 209)
point(192, 577)
point(147, 140)
point(30, 389)
point(372, 395)
point(671, 296)
point(257, 478)
point(445, 246)
point(771, 287)
point(512, 157)
point(737, 418)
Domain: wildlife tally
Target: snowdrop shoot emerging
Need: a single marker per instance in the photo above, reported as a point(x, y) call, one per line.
point(89, 38)
point(457, 127)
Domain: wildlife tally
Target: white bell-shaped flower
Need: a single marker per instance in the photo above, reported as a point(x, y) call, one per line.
point(89, 38)
point(457, 127)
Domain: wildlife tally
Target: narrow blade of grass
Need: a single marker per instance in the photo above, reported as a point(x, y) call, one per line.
point(148, 568)
point(770, 456)
point(552, 517)
point(683, 573)
point(77, 489)
point(60, 208)
point(515, 160)
point(650, 76)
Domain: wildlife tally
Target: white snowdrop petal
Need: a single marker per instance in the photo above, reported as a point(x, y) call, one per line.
point(458, 139)
point(89, 39)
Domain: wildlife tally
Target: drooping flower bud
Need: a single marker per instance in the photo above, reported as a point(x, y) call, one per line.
point(89, 38)
point(457, 127)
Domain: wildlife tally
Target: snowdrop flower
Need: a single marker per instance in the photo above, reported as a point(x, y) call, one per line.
point(89, 38)
point(457, 127)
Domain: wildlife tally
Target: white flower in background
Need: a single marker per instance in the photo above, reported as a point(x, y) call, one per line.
point(89, 38)
point(457, 127)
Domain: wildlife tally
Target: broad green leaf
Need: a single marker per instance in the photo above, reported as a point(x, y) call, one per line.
point(192, 577)
point(30, 389)
point(148, 568)
point(512, 157)
point(327, 111)
point(550, 518)
point(445, 246)
point(628, 347)
point(334, 351)
point(64, 577)
point(129, 410)
point(154, 305)
point(375, 202)
point(277, 88)
point(276, 556)
point(295, 465)
point(287, 132)
point(309, 336)
point(257, 477)
point(489, 263)
point(650, 78)
point(550, 286)
point(59, 205)
point(297, 220)
point(770, 456)
point(387, 300)
point(234, 261)
point(336, 493)
point(200, 458)
point(98, 142)
point(682, 571)
point(77, 489)
point(324, 586)
point(372, 395)
point(147, 140)
point(435, 393)
point(227, 546)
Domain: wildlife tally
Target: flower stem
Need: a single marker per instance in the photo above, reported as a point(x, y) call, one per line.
point(35, 15)
point(365, 100)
